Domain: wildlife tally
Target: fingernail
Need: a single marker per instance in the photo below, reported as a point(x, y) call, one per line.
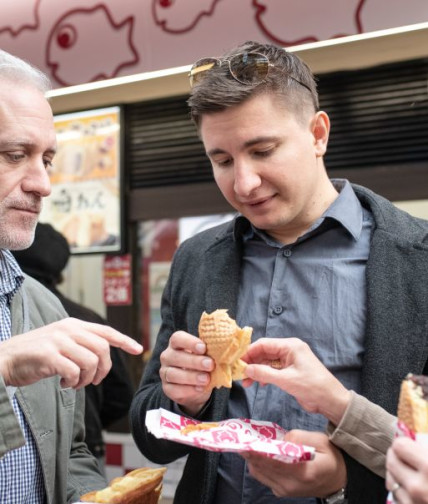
point(200, 348)
point(207, 364)
point(202, 378)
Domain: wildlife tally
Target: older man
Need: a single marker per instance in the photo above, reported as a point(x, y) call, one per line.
point(45, 357)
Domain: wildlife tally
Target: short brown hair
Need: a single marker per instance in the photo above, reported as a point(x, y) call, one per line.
point(289, 78)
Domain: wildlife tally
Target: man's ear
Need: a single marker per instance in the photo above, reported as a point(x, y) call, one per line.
point(320, 126)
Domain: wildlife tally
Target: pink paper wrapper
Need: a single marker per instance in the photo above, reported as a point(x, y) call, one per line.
point(234, 435)
point(402, 430)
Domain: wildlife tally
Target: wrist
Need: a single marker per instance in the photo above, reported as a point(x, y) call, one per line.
point(334, 409)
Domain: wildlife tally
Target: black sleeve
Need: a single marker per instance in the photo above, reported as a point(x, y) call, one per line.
point(363, 484)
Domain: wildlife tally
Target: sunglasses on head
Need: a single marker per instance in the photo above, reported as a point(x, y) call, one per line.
point(247, 68)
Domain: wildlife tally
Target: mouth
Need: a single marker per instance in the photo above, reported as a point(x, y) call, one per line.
point(28, 209)
point(259, 202)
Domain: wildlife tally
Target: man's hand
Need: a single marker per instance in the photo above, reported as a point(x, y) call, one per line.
point(299, 372)
point(407, 471)
point(185, 372)
point(320, 477)
point(77, 351)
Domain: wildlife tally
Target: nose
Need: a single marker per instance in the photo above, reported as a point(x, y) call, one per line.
point(247, 179)
point(36, 179)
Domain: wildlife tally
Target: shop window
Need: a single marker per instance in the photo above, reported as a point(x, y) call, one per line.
point(158, 241)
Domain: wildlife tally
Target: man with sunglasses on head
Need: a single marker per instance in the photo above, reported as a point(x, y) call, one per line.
point(306, 257)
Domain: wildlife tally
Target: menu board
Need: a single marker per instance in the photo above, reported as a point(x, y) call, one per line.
point(85, 204)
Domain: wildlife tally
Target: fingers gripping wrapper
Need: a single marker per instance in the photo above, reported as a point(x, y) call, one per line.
point(413, 403)
point(141, 486)
point(226, 342)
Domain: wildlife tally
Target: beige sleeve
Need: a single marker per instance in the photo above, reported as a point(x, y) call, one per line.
point(365, 433)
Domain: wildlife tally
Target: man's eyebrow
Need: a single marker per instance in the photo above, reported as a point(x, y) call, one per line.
point(16, 144)
point(249, 143)
point(214, 152)
point(260, 139)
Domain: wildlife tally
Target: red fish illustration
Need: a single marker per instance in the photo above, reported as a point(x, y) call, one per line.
point(314, 23)
point(80, 40)
point(14, 11)
point(180, 16)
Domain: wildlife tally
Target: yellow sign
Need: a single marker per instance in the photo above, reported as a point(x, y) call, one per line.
point(85, 203)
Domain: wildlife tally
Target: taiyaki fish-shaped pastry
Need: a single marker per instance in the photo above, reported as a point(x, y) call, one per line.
point(226, 343)
point(140, 486)
point(413, 403)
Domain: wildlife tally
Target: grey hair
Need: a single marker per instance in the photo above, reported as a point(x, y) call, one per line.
point(15, 69)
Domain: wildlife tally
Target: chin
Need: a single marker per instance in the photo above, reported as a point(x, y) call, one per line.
point(17, 242)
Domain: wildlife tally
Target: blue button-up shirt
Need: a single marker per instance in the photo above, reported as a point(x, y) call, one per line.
point(21, 478)
point(313, 289)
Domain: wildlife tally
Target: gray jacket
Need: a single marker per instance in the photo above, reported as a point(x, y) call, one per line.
point(55, 415)
point(205, 276)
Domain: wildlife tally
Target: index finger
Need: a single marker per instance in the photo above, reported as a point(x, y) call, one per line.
point(264, 350)
point(115, 338)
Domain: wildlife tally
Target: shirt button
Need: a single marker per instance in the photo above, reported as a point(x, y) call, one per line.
point(286, 252)
point(277, 310)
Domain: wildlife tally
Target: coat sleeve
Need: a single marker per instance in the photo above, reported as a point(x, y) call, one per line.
point(150, 395)
point(178, 295)
point(365, 432)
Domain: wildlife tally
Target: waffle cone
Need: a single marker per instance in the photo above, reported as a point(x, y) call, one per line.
point(412, 406)
point(226, 342)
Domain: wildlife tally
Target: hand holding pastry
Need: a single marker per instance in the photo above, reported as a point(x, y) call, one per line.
point(406, 462)
point(407, 471)
point(185, 372)
point(290, 364)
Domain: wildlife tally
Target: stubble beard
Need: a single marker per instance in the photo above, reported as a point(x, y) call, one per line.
point(17, 234)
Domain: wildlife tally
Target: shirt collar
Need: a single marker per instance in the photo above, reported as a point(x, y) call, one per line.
point(345, 210)
point(11, 276)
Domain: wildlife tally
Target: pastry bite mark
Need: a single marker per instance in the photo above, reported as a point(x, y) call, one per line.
point(226, 343)
point(413, 403)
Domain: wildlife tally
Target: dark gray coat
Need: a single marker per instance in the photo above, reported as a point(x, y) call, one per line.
point(205, 276)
